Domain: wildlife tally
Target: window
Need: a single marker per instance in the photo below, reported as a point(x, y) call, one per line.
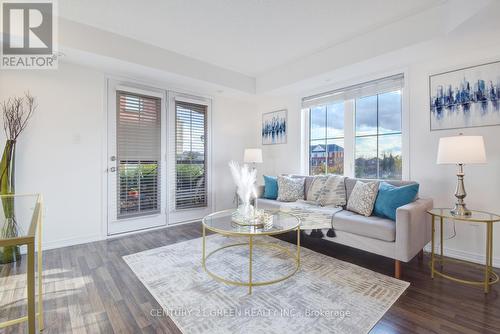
point(372, 145)
point(326, 144)
point(378, 136)
point(190, 155)
point(138, 154)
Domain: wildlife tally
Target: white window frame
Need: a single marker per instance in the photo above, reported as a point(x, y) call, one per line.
point(350, 124)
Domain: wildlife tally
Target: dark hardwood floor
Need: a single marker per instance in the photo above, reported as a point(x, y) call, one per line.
point(90, 289)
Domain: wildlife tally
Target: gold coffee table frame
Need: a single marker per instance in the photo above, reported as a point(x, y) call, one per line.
point(490, 277)
point(28, 239)
point(250, 244)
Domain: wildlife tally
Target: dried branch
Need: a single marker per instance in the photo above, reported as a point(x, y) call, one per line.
point(16, 113)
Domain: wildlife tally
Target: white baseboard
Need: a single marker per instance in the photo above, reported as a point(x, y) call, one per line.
point(91, 238)
point(119, 235)
point(463, 255)
point(71, 241)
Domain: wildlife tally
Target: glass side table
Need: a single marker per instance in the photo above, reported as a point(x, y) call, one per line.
point(490, 277)
point(21, 225)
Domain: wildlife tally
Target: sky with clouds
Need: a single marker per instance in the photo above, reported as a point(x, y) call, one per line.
point(389, 119)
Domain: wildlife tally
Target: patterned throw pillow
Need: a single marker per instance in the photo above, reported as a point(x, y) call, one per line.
point(363, 198)
point(316, 187)
point(333, 192)
point(290, 189)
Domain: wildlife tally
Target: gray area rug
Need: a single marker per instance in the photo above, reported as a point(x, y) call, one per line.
point(325, 296)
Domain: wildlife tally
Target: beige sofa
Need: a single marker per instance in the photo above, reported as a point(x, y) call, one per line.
point(400, 240)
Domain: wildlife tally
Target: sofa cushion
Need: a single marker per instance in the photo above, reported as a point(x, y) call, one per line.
point(308, 180)
point(363, 198)
point(333, 192)
point(290, 189)
point(316, 187)
point(270, 187)
point(390, 198)
point(268, 204)
point(351, 182)
point(373, 226)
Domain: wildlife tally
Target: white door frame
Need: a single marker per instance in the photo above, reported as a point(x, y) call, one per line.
point(185, 215)
point(114, 225)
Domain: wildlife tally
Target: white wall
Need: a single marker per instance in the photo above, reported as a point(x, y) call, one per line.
point(233, 130)
point(60, 154)
point(437, 181)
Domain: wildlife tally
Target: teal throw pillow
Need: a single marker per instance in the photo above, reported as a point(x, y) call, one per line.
point(390, 198)
point(270, 187)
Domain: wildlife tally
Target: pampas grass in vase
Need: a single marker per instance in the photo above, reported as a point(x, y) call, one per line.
point(245, 179)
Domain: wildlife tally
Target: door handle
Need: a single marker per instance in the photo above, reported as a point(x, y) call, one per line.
point(112, 169)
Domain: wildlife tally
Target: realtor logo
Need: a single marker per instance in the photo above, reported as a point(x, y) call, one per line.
point(28, 35)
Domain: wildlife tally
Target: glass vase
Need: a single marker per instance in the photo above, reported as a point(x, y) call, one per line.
point(9, 229)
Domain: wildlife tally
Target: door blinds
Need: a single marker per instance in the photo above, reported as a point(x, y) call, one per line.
point(138, 154)
point(190, 155)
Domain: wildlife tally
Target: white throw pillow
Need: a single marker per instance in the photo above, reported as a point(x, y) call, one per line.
point(290, 189)
point(333, 192)
point(316, 187)
point(363, 198)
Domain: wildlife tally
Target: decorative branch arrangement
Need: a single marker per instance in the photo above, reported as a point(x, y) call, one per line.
point(16, 112)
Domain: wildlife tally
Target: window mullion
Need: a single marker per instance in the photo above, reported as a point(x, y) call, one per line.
point(326, 140)
point(378, 132)
point(349, 137)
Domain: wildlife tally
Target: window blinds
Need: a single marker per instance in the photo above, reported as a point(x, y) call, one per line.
point(138, 154)
point(373, 87)
point(190, 155)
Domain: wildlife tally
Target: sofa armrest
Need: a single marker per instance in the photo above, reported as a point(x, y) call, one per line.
point(413, 228)
point(260, 191)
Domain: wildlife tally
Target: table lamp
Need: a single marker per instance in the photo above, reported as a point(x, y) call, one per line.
point(461, 150)
point(252, 156)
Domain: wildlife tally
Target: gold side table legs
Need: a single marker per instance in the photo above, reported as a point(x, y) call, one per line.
point(31, 288)
point(489, 257)
point(490, 277)
point(33, 299)
point(433, 233)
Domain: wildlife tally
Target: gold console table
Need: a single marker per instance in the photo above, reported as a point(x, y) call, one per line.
point(28, 211)
point(490, 277)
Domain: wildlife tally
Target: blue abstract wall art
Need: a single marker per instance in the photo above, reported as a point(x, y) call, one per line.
point(464, 98)
point(274, 127)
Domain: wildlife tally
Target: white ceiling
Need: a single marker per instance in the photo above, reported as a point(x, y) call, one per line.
point(247, 36)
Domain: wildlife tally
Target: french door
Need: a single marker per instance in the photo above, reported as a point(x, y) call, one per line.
point(136, 164)
point(158, 162)
point(189, 162)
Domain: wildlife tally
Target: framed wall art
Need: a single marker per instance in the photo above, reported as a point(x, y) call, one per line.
point(274, 127)
point(468, 97)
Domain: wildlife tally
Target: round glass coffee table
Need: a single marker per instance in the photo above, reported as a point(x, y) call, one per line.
point(222, 223)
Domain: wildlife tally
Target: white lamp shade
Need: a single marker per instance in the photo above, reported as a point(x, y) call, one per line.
point(461, 150)
point(253, 155)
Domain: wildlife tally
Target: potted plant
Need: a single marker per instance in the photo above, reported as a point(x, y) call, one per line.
point(16, 112)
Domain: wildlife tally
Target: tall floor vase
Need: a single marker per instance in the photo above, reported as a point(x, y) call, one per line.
point(10, 228)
